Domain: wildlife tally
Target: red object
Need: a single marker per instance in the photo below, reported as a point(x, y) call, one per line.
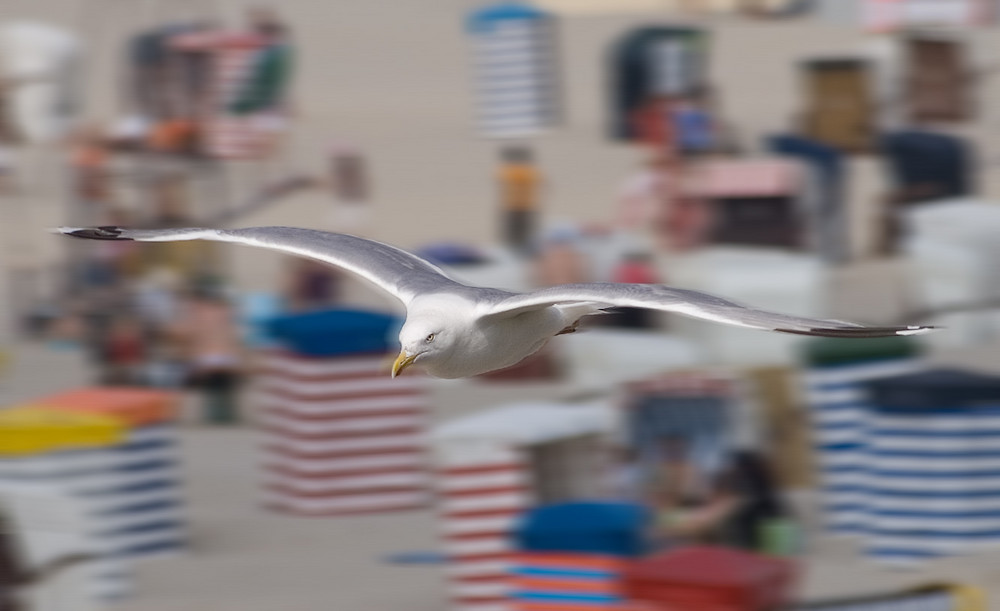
point(710, 579)
point(736, 178)
point(635, 272)
point(341, 437)
point(134, 406)
point(652, 126)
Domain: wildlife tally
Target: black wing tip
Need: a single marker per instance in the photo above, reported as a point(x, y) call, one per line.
point(864, 332)
point(107, 232)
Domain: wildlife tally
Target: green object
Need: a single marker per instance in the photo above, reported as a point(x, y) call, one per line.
point(829, 351)
point(268, 79)
point(779, 537)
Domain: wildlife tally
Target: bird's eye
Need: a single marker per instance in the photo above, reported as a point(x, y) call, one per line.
point(430, 338)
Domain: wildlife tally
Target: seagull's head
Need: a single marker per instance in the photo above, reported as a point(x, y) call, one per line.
point(425, 341)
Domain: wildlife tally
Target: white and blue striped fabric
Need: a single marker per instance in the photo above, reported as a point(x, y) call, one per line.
point(514, 69)
point(139, 497)
point(131, 492)
point(74, 472)
point(840, 415)
point(917, 481)
point(934, 481)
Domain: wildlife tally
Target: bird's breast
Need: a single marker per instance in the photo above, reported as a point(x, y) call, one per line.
point(496, 343)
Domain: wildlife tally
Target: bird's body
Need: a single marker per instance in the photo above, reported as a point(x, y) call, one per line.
point(456, 331)
point(479, 348)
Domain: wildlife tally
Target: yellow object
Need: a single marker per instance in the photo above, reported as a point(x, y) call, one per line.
point(34, 430)
point(969, 598)
point(966, 597)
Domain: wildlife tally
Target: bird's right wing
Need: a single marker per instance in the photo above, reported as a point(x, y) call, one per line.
point(396, 271)
point(689, 303)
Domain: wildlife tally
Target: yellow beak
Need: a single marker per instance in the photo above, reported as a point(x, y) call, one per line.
point(402, 362)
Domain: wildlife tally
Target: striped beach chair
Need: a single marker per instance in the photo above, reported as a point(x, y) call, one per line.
point(567, 582)
point(836, 371)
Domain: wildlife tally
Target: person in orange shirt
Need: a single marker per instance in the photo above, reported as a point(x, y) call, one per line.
point(520, 191)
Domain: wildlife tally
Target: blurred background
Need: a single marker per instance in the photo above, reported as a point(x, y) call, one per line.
point(197, 426)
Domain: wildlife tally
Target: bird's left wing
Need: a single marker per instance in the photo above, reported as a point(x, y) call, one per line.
point(689, 303)
point(396, 271)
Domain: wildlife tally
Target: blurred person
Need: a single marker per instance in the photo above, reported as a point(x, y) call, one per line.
point(675, 480)
point(157, 304)
point(520, 185)
point(751, 523)
point(690, 508)
point(559, 260)
point(739, 506)
point(125, 352)
point(165, 365)
point(157, 298)
point(312, 285)
point(96, 310)
point(208, 328)
point(694, 125)
point(624, 477)
point(349, 181)
point(643, 198)
point(654, 126)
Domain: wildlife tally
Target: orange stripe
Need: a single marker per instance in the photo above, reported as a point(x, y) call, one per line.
point(568, 585)
point(521, 605)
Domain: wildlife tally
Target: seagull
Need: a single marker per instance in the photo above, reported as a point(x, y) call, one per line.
point(454, 330)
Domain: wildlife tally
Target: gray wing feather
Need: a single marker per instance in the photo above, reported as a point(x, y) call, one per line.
point(396, 271)
point(690, 303)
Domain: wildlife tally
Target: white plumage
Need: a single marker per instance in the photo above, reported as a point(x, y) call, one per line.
point(455, 331)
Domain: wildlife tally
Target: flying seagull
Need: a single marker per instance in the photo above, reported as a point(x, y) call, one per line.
point(454, 331)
